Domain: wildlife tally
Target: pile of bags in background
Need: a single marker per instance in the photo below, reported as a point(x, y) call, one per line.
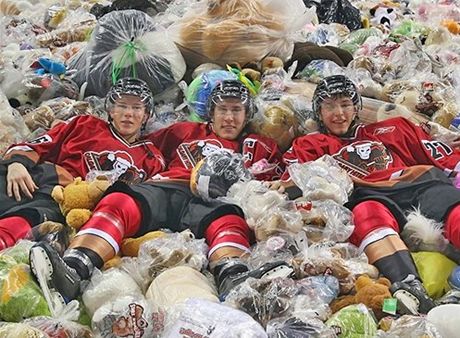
point(58, 58)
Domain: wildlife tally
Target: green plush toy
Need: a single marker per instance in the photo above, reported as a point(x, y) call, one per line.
point(353, 321)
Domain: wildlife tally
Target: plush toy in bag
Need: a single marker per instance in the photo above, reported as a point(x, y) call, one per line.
point(239, 30)
point(77, 199)
point(215, 174)
point(200, 88)
point(127, 44)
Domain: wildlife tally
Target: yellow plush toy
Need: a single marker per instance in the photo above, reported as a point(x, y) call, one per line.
point(77, 199)
point(368, 292)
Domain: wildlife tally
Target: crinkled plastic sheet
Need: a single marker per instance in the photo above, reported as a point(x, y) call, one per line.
point(322, 179)
point(127, 44)
point(240, 30)
point(218, 171)
point(207, 319)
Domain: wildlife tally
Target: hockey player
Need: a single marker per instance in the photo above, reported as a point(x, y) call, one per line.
point(395, 166)
point(29, 171)
point(132, 210)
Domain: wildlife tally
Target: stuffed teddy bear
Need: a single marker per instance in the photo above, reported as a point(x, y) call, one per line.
point(77, 199)
point(368, 292)
point(218, 33)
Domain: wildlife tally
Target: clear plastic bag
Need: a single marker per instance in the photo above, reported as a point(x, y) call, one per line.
point(127, 44)
point(277, 220)
point(44, 87)
point(12, 126)
point(326, 221)
point(207, 319)
point(59, 328)
point(322, 179)
point(239, 31)
point(176, 285)
point(106, 287)
point(217, 172)
point(293, 327)
point(200, 88)
point(412, 326)
point(175, 249)
point(125, 316)
point(317, 70)
point(353, 321)
point(265, 299)
point(8, 330)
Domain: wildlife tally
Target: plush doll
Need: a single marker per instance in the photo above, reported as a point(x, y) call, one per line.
point(383, 15)
point(452, 26)
point(368, 292)
point(77, 199)
point(218, 32)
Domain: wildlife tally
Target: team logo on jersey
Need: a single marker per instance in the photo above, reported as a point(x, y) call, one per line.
point(384, 130)
point(363, 157)
point(191, 153)
point(119, 163)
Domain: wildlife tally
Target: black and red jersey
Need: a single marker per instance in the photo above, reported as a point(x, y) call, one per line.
point(87, 143)
point(184, 144)
point(379, 154)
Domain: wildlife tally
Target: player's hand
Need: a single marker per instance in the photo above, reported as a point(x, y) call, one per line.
point(18, 180)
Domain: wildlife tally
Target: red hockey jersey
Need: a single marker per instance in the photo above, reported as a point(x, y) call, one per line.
point(87, 143)
point(184, 144)
point(379, 154)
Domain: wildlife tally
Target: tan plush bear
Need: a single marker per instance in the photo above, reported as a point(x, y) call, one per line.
point(369, 292)
point(218, 33)
point(77, 199)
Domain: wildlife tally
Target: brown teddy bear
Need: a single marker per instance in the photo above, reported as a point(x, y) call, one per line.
point(369, 292)
point(77, 199)
point(217, 34)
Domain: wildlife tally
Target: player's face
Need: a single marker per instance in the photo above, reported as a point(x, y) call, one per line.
point(229, 118)
point(128, 115)
point(337, 114)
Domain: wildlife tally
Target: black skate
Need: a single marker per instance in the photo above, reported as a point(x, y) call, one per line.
point(234, 272)
point(59, 282)
point(412, 297)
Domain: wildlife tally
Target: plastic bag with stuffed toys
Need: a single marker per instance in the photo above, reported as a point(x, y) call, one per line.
point(127, 44)
point(202, 318)
point(59, 328)
point(105, 287)
point(200, 88)
point(21, 296)
point(325, 220)
point(322, 179)
point(126, 316)
point(278, 220)
point(64, 36)
point(239, 31)
point(317, 70)
point(213, 176)
point(281, 247)
point(353, 321)
point(293, 327)
point(175, 249)
point(410, 326)
point(12, 126)
point(8, 330)
point(44, 87)
point(266, 299)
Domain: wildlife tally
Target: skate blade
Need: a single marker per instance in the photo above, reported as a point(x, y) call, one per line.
point(407, 302)
point(42, 269)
